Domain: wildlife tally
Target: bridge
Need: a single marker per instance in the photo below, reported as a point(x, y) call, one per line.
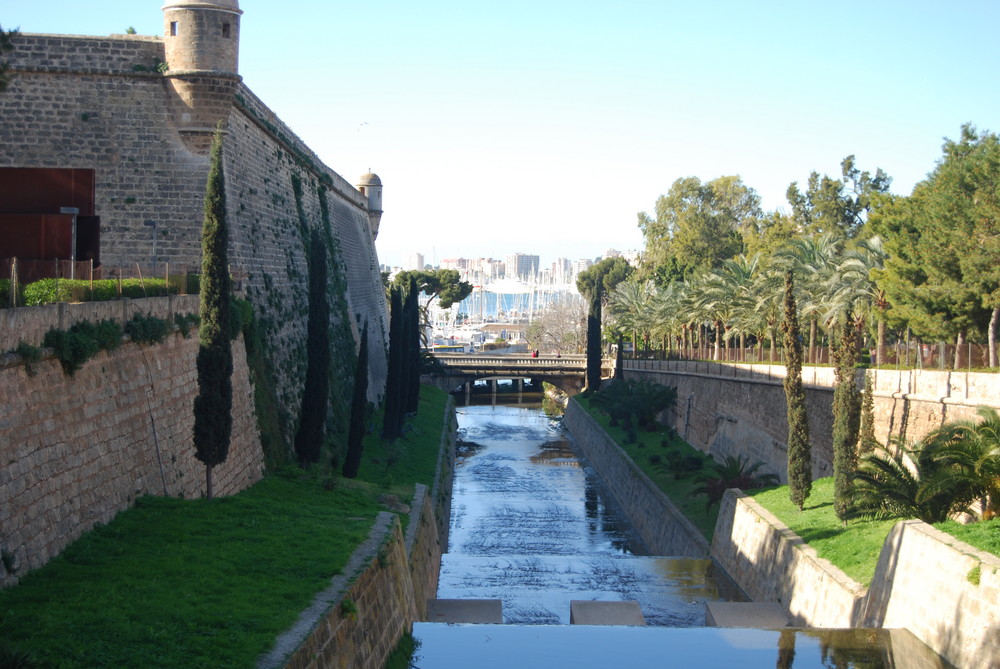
point(566, 372)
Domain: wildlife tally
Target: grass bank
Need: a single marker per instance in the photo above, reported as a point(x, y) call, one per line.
point(853, 548)
point(650, 452)
point(193, 583)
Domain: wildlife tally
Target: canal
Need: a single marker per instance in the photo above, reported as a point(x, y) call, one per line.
point(533, 527)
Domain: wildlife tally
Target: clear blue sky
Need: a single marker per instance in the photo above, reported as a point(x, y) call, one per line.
point(545, 126)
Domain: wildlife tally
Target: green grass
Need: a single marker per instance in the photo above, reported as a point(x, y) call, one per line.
point(412, 458)
point(853, 548)
point(680, 491)
point(984, 535)
point(192, 583)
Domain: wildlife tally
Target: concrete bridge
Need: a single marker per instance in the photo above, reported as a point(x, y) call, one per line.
point(565, 372)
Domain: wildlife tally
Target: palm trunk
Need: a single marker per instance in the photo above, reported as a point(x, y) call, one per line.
point(718, 341)
point(959, 342)
point(880, 345)
point(992, 335)
point(812, 341)
point(774, 344)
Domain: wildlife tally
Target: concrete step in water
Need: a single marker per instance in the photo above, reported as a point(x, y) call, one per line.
point(538, 589)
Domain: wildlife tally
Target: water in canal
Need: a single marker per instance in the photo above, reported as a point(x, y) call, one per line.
point(532, 527)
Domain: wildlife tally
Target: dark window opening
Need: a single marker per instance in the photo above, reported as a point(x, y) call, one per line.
point(173, 28)
point(225, 30)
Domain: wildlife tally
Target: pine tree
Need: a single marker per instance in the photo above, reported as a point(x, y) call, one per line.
point(846, 418)
point(594, 339)
point(359, 410)
point(316, 390)
point(799, 448)
point(213, 421)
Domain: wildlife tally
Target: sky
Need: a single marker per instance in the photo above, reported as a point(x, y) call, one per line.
point(546, 126)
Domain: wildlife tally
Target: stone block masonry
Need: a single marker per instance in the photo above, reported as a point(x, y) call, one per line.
point(76, 450)
point(740, 410)
point(942, 590)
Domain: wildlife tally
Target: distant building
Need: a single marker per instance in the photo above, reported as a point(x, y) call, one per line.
point(415, 261)
point(521, 266)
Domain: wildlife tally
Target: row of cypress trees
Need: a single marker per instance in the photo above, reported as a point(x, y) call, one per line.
point(402, 385)
point(213, 404)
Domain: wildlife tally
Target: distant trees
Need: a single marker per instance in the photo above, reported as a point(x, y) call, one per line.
point(213, 420)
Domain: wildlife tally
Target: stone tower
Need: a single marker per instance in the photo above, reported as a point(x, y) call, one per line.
point(202, 46)
point(371, 187)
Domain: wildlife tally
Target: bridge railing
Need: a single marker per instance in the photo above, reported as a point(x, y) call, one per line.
point(513, 361)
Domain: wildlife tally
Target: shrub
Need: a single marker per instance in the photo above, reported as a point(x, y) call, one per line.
point(146, 329)
point(50, 291)
point(71, 347)
point(29, 355)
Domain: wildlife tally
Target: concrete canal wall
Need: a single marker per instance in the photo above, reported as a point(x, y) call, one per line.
point(944, 591)
point(663, 528)
point(357, 622)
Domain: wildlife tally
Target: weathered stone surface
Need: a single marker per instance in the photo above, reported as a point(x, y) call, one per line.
point(464, 611)
point(583, 612)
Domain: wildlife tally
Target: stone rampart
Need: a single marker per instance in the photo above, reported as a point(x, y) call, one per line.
point(98, 103)
point(944, 591)
point(79, 449)
point(29, 324)
point(734, 409)
point(663, 528)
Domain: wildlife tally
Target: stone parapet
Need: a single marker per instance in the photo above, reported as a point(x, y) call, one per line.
point(29, 324)
point(134, 55)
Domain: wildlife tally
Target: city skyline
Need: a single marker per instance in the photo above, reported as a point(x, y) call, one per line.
point(550, 126)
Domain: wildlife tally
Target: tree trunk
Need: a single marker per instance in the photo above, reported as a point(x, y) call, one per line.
point(959, 343)
point(880, 345)
point(993, 336)
point(718, 341)
point(208, 481)
point(812, 341)
point(774, 344)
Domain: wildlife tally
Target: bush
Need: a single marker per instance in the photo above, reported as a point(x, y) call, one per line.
point(50, 291)
point(146, 329)
point(72, 347)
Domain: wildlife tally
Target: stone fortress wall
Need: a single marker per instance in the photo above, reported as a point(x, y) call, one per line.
point(78, 449)
point(99, 103)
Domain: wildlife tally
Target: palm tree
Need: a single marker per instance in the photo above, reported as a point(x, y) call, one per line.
point(813, 259)
point(723, 295)
point(852, 284)
point(631, 305)
point(972, 460)
point(911, 482)
point(733, 472)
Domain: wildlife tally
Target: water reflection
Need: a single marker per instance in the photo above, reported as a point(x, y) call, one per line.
point(586, 647)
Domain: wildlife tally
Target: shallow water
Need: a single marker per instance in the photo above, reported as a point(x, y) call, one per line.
point(532, 526)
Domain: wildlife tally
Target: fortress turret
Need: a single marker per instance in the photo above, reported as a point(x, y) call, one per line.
point(202, 45)
point(371, 187)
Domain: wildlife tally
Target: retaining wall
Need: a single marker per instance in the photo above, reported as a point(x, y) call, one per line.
point(78, 449)
point(29, 324)
point(395, 577)
point(923, 582)
point(663, 528)
point(738, 409)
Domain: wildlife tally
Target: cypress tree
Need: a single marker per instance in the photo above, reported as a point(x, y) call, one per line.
point(213, 420)
point(799, 448)
point(316, 390)
point(867, 442)
point(359, 410)
point(594, 339)
point(846, 418)
point(412, 344)
point(394, 374)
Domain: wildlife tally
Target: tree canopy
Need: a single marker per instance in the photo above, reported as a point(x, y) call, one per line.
point(609, 273)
